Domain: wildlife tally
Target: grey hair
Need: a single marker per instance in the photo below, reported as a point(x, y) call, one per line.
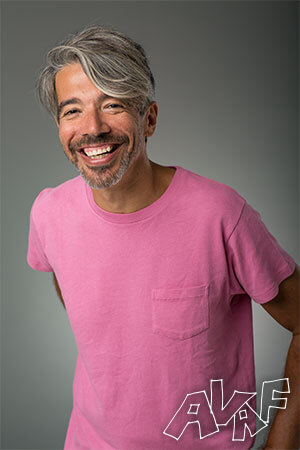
point(115, 64)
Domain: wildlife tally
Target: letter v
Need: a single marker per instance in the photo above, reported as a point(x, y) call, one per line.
point(222, 413)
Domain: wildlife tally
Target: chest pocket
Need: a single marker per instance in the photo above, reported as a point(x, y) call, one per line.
point(180, 313)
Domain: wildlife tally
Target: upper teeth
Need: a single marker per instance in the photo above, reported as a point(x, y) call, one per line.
point(98, 151)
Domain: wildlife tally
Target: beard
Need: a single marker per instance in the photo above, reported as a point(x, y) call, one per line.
point(106, 175)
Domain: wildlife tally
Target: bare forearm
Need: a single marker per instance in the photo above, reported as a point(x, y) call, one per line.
point(285, 430)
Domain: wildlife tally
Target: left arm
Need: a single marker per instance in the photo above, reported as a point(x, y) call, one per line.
point(284, 308)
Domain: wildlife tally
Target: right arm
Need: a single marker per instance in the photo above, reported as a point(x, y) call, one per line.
point(58, 290)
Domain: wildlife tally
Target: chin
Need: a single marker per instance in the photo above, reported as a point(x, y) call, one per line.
point(103, 180)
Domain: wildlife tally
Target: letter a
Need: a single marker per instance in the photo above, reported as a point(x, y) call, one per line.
point(246, 418)
point(194, 409)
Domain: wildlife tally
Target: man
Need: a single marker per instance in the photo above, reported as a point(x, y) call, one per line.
point(156, 267)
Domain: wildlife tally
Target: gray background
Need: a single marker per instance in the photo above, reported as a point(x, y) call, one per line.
point(227, 89)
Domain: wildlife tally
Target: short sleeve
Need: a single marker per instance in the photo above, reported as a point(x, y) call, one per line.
point(36, 257)
point(257, 263)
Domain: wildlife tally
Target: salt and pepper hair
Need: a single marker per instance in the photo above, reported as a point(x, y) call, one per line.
point(115, 64)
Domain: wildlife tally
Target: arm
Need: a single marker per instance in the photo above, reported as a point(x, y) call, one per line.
point(58, 290)
point(284, 308)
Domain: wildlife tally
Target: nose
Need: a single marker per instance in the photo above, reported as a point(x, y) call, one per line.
point(94, 122)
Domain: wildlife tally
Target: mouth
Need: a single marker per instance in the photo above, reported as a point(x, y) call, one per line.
point(98, 152)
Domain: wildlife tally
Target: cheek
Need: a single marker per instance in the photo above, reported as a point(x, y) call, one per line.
point(65, 135)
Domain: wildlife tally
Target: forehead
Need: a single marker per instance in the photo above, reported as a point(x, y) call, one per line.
point(72, 81)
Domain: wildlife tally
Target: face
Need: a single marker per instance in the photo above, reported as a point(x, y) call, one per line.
point(100, 134)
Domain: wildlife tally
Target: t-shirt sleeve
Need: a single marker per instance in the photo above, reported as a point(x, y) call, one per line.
point(257, 263)
point(36, 257)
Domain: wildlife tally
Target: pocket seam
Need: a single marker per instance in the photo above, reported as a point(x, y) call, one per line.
point(180, 295)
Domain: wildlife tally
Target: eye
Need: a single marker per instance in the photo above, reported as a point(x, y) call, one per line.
point(114, 106)
point(71, 112)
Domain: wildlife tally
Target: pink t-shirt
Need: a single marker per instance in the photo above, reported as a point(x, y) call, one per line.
point(159, 301)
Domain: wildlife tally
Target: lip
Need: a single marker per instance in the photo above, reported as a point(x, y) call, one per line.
point(98, 162)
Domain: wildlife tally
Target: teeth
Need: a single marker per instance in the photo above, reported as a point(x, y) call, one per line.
point(98, 151)
point(98, 157)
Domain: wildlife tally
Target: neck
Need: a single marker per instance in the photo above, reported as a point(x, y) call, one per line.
point(139, 187)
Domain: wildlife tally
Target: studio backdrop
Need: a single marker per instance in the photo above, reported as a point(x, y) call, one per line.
point(227, 90)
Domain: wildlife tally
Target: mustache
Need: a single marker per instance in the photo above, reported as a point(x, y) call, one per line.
point(94, 140)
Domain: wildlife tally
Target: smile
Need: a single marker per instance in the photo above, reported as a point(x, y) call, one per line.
point(100, 153)
point(95, 151)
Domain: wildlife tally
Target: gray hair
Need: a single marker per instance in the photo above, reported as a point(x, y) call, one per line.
point(115, 64)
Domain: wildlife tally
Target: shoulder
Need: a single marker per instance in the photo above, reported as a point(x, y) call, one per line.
point(213, 194)
point(54, 199)
point(216, 203)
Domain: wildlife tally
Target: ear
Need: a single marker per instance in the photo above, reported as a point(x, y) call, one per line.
point(150, 119)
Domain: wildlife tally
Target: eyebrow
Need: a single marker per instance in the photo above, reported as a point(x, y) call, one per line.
point(70, 101)
point(73, 100)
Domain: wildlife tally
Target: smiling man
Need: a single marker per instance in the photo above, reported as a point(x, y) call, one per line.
point(155, 265)
point(105, 138)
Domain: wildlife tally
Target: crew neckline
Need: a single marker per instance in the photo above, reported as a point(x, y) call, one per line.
point(140, 214)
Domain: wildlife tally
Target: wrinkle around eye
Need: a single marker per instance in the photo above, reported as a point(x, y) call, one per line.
point(71, 112)
point(114, 106)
